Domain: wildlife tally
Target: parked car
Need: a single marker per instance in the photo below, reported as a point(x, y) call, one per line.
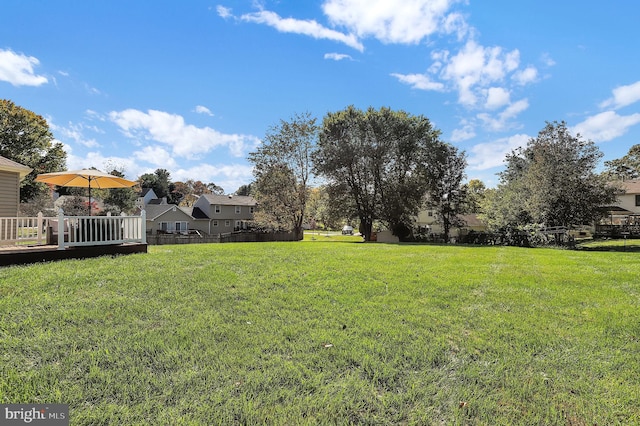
point(347, 230)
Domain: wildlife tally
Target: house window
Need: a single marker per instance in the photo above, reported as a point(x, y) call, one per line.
point(182, 226)
point(238, 209)
point(637, 200)
point(227, 223)
point(430, 213)
point(165, 226)
point(215, 223)
point(217, 208)
point(238, 224)
point(251, 209)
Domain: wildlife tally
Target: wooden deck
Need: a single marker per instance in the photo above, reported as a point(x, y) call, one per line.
point(20, 255)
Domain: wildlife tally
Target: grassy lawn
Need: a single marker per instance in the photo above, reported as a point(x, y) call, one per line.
point(325, 332)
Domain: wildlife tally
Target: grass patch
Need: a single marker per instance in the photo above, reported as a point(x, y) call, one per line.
point(323, 332)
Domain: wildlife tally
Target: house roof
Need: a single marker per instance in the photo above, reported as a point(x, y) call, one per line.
point(197, 213)
point(631, 186)
point(153, 211)
point(11, 166)
point(230, 200)
point(471, 220)
point(159, 201)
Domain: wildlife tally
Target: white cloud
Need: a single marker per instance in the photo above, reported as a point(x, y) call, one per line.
point(465, 133)
point(74, 132)
point(157, 156)
point(547, 60)
point(623, 96)
point(502, 120)
point(337, 56)
point(185, 140)
point(203, 110)
point(309, 28)
point(18, 69)
point(492, 154)
point(475, 67)
point(394, 21)
point(419, 81)
point(606, 126)
point(224, 12)
point(525, 76)
point(96, 159)
point(497, 97)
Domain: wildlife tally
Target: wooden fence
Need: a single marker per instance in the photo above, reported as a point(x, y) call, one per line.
point(234, 237)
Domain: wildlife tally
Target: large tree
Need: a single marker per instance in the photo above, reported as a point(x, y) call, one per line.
point(374, 162)
point(625, 168)
point(120, 199)
point(445, 193)
point(551, 182)
point(160, 182)
point(25, 138)
point(245, 190)
point(191, 190)
point(282, 168)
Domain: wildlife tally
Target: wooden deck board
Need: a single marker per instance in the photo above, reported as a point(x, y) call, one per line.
point(19, 255)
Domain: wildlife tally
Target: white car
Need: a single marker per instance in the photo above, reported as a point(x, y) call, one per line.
point(347, 230)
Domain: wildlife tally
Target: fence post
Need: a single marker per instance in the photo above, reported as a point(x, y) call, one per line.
point(143, 226)
point(39, 227)
point(60, 230)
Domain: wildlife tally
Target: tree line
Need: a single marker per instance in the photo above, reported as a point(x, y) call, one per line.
point(384, 166)
point(373, 167)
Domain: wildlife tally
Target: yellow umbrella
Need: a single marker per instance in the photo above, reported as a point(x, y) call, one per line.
point(85, 178)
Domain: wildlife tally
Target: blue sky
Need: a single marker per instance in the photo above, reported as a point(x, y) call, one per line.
point(193, 86)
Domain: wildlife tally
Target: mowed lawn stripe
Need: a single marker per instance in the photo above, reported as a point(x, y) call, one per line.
point(327, 332)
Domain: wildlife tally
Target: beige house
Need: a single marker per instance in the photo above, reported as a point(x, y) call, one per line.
point(168, 218)
point(226, 213)
point(427, 223)
point(628, 204)
point(11, 174)
point(210, 215)
point(630, 200)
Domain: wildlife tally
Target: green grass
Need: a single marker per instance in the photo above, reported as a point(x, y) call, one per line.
point(321, 332)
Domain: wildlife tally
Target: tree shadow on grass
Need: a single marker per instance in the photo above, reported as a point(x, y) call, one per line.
point(611, 245)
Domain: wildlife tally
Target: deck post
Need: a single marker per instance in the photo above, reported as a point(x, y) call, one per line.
point(143, 226)
point(60, 229)
point(39, 227)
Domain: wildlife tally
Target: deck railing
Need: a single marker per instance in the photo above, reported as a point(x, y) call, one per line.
point(23, 230)
point(73, 231)
point(76, 231)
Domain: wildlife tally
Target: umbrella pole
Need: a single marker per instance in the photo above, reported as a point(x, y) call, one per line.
point(89, 196)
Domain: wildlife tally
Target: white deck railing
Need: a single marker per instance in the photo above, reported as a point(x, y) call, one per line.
point(73, 231)
point(23, 230)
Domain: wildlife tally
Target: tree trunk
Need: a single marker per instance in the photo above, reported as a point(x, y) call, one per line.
point(366, 226)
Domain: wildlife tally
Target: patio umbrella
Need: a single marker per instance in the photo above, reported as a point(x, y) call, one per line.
point(85, 178)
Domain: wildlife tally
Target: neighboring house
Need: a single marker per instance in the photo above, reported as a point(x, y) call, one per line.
point(211, 214)
point(11, 174)
point(427, 223)
point(628, 203)
point(145, 197)
point(171, 219)
point(630, 200)
point(226, 213)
